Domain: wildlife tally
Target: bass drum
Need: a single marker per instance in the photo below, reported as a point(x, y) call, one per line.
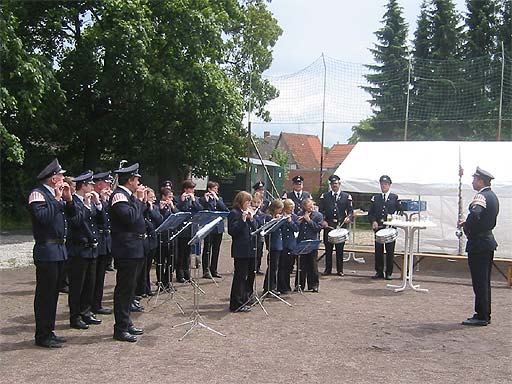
point(338, 236)
point(386, 235)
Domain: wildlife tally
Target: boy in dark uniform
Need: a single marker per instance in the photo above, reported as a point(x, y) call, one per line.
point(383, 204)
point(298, 195)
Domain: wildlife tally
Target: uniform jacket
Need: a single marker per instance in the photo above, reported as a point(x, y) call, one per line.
point(480, 222)
point(153, 219)
point(298, 200)
point(83, 239)
point(289, 229)
point(215, 205)
point(311, 230)
point(128, 225)
point(242, 245)
point(192, 206)
point(335, 217)
point(49, 224)
point(380, 209)
point(104, 238)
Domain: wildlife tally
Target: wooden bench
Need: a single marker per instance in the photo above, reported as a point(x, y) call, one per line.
point(421, 255)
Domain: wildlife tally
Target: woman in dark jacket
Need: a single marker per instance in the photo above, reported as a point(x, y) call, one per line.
point(240, 225)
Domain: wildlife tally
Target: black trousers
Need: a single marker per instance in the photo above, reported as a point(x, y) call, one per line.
point(144, 279)
point(286, 261)
point(48, 279)
point(183, 259)
point(101, 268)
point(379, 257)
point(480, 266)
point(328, 253)
point(165, 262)
point(243, 282)
point(211, 251)
point(308, 271)
point(82, 278)
point(270, 281)
point(126, 280)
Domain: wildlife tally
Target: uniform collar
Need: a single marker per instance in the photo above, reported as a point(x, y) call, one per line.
point(52, 190)
point(126, 189)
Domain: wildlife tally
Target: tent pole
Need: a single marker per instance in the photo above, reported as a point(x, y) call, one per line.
point(323, 127)
point(407, 102)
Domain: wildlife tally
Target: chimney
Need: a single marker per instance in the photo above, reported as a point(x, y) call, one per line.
point(266, 134)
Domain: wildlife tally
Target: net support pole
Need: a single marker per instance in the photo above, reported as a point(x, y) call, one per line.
point(249, 135)
point(501, 90)
point(409, 66)
point(323, 126)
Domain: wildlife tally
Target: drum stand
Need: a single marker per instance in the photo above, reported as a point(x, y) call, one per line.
point(196, 318)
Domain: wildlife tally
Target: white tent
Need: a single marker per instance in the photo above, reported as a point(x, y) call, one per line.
point(429, 170)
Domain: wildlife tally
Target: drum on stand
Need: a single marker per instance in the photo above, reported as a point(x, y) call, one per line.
point(338, 236)
point(386, 235)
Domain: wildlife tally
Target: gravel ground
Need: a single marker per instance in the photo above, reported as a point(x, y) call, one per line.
point(354, 330)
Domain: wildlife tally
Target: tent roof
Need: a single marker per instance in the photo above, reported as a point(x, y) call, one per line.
point(426, 167)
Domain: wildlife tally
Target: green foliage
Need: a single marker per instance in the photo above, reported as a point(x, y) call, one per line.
point(159, 82)
point(279, 156)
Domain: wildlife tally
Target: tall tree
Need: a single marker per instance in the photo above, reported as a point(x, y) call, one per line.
point(388, 79)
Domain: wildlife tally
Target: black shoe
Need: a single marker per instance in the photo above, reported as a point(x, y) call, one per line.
point(475, 316)
point(341, 274)
point(215, 274)
point(182, 280)
point(326, 273)
point(91, 319)
point(244, 309)
point(109, 268)
point(314, 290)
point(77, 323)
point(136, 308)
point(48, 343)
point(388, 277)
point(102, 311)
point(378, 276)
point(64, 289)
point(58, 339)
point(137, 297)
point(259, 273)
point(207, 276)
point(135, 331)
point(125, 336)
point(475, 322)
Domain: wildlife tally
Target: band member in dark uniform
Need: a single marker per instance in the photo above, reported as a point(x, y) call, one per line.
point(483, 212)
point(102, 186)
point(211, 201)
point(259, 218)
point(153, 219)
point(83, 252)
point(164, 258)
point(128, 233)
point(187, 203)
point(287, 257)
point(336, 207)
point(275, 242)
point(240, 225)
point(259, 187)
point(298, 195)
point(382, 205)
point(50, 206)
point(64, 286)
point(310, 225)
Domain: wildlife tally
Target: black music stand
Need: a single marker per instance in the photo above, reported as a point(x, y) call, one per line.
point(277, 223)
point(202, 218)
point(303, 248)
point(196, 318)
point(171, 223)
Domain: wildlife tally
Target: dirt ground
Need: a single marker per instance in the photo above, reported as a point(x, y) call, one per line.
point(355, 330)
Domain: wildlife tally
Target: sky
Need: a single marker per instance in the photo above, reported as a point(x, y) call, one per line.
point(341, 29)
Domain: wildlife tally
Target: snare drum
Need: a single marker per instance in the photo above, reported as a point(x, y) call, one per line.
point(338, 236)
point(386, 235)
